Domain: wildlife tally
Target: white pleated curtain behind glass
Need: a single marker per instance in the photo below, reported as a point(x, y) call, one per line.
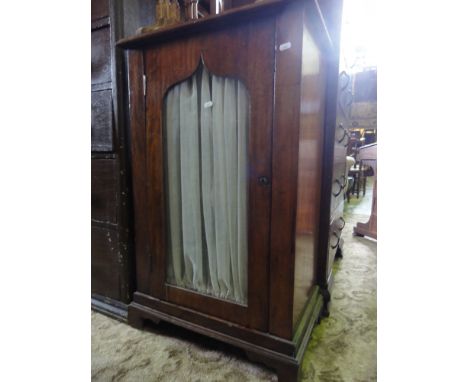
point(205, 131)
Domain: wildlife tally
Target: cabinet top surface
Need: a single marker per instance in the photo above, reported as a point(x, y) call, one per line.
point(244, 13)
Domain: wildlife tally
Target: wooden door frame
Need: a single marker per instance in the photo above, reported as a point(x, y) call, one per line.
point(251, 61)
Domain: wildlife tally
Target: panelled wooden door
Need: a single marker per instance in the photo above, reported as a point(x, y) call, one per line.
point(245, 53)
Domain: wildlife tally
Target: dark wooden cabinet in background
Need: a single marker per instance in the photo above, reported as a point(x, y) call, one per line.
point(284, 57)
point(341, 141)
point(112, 263)
point(110, 242)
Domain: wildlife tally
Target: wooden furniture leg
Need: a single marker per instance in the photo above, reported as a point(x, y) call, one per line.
point(368, 154)
point(364, 183)
point(359, 180)
point(369, 228)
point(339, 251)
point(136, 320)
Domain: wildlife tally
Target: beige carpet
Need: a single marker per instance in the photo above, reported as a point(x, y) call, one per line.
point(342, 347)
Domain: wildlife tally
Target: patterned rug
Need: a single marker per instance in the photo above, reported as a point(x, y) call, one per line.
point(342, 348)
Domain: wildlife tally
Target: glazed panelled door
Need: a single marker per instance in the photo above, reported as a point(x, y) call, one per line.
point(205, 125)
point(208, 133)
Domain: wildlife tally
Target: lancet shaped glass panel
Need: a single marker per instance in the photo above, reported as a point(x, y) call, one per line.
point(206, 120)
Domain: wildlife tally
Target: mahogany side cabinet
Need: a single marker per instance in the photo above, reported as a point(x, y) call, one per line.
point(238, 170)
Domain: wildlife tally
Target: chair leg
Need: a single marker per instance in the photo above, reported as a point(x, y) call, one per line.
point(349, 188)
point(358, 185)
point(355, 180)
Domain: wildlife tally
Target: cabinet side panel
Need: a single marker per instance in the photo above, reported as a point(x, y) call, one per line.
point(285, 145)
point(331, 12)
point(309, 171)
